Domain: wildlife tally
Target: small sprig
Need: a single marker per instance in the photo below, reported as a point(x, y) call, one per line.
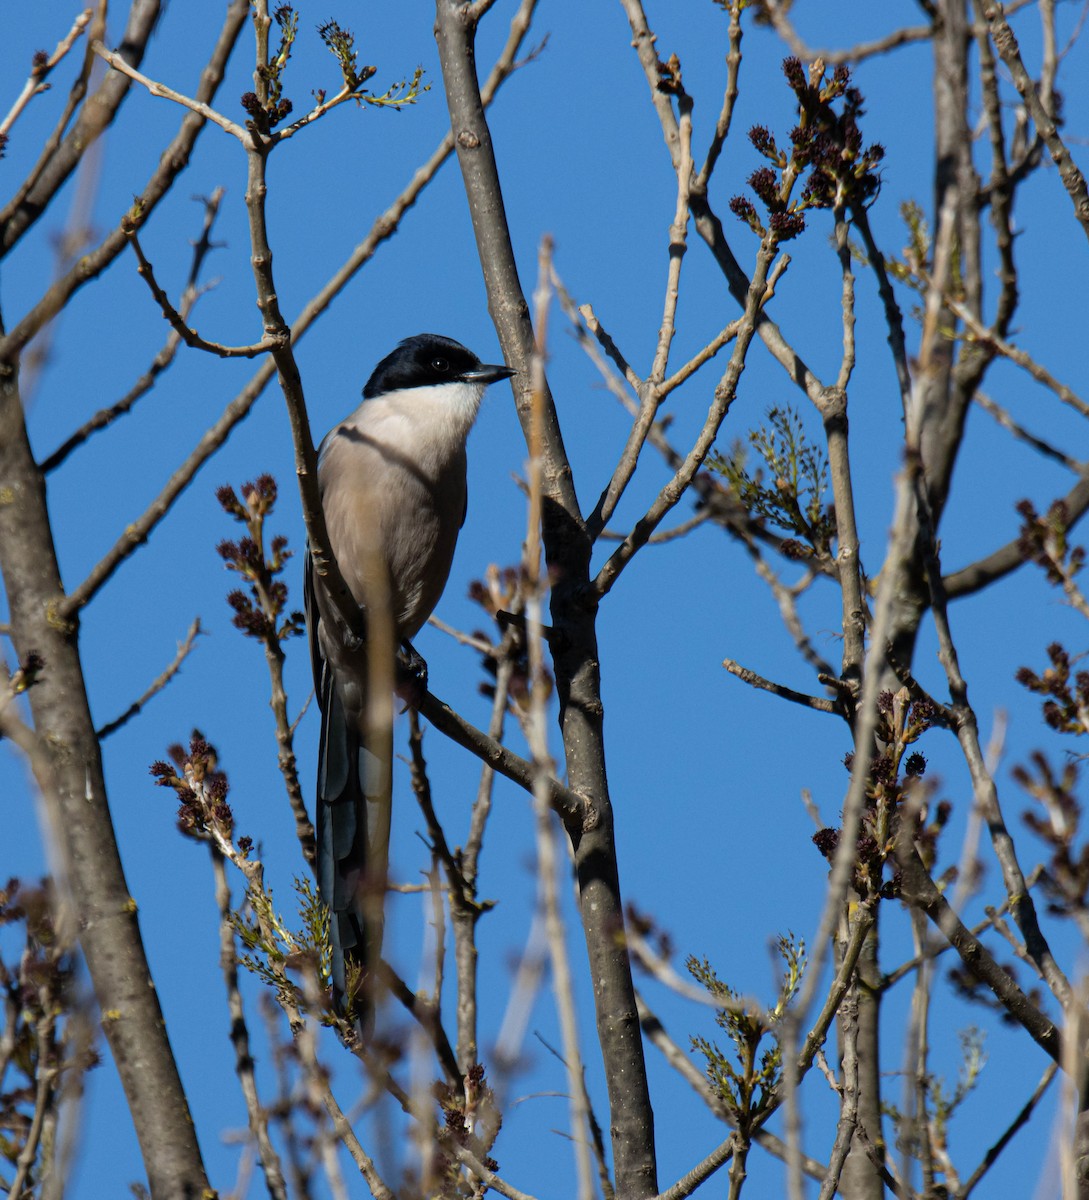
point(471, 1119)
point(401, 93)
point(270, 948)
point(826, 142)
point(1066, 708)
point(893, 775)
point(501, 594)
point(47, 1039)
point(272, 107)
point(201, 788)
point(914, 265)
point(341, 43)
point(1043, 540)
point(747, 1085)
point(798, 470)
point(260, 613)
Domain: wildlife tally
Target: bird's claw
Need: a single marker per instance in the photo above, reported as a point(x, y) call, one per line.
point(411, 682)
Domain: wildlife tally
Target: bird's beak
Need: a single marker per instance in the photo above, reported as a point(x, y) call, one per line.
point(486, 373)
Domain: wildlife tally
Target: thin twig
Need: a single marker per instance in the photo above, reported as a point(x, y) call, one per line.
point(172, 161)
point(157, 686)
point(724, 395)
point(665, 535)
point(1002, 416)
point(166, 93)
point(535, 727)
point(894, 976)
point(919, 889)
point(1004, 1139)
point(848, 1113)
point(1006, 44)
point(820, 703)
point(76, 93)
point(729, 98)
point(567, 803)
point(239, 1034)
point(488, 1176)
point(36, 84)
point(162, 360)
point(1009, 557)
point(853, 54)
point(178, 323)
point(702, 1171)
point(983, 784)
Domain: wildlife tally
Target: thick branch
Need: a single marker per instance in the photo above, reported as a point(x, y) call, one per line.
point(75, 799)
point(573, 608)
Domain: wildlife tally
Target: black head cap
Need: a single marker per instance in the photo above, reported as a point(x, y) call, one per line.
point(426, 360)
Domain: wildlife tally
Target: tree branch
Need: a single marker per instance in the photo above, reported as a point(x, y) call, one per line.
point(157, 686)
point(61, 158)
point(173, 161)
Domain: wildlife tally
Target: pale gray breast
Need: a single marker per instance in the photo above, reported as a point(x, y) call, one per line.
point(398, 501)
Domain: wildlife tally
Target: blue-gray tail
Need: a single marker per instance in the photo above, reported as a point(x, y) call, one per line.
point(354, 778)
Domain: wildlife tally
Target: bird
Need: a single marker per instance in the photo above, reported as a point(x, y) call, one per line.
point(392, 479)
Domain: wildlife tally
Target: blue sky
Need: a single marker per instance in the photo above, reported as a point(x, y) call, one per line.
point(706, 774)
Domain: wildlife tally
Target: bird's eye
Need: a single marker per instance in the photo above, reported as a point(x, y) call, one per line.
point(440, 365)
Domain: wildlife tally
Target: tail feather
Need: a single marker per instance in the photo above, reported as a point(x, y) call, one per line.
point(353, 850)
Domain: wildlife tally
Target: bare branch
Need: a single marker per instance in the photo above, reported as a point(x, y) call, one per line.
point(568, 804)
point(172, 161)
point(573, 608)
point(599, 332)
point(427, 1016)
point(853, 54)
point(1003, 1141)
point(894, 976)
point(36, 84)
point(187, 334)
point(157, 686)
point(920, 890)
point(1006, 44)
point(665, 535)
point(240, 1038)
point(488, 1176)
point(991, 340)
point(703, 1170)
point(967, 730)
point(678, 245)
point(161, 90)
point(138, 532)
point(1002, 416)
point(725, 117)
point(59, 158)
point(161, 361)
point(820, 703)
point(723, 398)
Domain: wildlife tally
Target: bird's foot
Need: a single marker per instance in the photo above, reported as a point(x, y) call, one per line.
point(411, 672)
